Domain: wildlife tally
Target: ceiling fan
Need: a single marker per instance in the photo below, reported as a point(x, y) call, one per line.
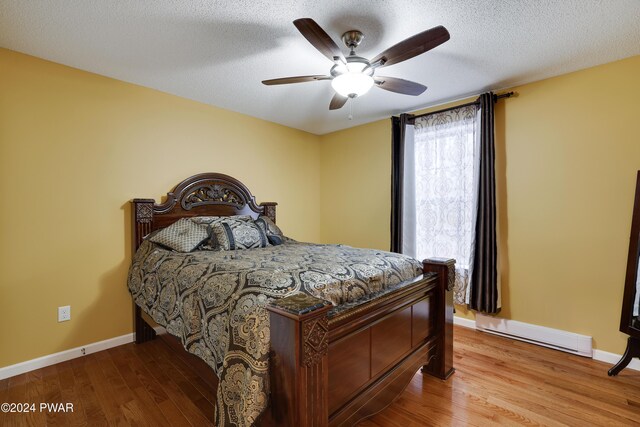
point(354, 75)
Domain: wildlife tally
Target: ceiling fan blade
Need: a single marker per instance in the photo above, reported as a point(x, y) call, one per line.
point(319, 39)
point(413, 46)
point(297, 79)
point(337, 102)
point(405, 87)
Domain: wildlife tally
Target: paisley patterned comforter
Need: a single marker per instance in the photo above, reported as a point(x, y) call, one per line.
point(214, 302)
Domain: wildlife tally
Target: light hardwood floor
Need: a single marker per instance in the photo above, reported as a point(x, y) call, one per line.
point(498, 382)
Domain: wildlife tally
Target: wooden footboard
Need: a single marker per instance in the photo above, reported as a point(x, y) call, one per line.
point(337, 370)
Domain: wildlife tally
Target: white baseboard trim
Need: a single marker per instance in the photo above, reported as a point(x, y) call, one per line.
point(465, 323)
point(63, 356)
point(605, 356)
point(599, 355)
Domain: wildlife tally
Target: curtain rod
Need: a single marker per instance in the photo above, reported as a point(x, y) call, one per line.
point(412, 117)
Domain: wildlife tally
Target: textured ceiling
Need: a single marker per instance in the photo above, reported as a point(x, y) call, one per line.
point(218, 52)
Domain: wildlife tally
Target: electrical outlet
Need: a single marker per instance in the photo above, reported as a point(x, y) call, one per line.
point(64, 313)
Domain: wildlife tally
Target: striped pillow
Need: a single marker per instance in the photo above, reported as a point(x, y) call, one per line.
point(238, 234)
point(209, 221)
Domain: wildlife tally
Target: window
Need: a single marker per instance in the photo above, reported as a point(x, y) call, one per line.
point(439, 189)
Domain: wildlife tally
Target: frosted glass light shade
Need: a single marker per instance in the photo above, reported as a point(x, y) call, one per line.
point(352, 84)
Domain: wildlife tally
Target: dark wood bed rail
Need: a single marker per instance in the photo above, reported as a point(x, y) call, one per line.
point(327, 369)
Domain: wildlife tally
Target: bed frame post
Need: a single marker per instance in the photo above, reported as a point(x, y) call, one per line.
point(144, 332)
point(299, 361)
point(269, 210)
point(441, 365)
point(142, 213)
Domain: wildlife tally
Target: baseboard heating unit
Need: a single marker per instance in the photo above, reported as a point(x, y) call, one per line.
point(540, 335)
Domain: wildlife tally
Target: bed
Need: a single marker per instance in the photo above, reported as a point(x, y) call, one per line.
point(312, 354)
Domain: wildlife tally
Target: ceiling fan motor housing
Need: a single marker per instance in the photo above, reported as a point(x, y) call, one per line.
point(352, 38)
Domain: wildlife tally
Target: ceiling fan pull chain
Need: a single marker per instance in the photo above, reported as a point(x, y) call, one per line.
point(350, 116)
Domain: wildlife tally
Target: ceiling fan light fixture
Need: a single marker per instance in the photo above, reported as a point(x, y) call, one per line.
point(358, 66)
point(352, 84)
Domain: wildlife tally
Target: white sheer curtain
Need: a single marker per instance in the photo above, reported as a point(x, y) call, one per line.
point(440, 187)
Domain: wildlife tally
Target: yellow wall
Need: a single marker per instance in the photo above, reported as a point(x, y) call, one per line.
point(356, 185)
point(74, 148)
point(567, 154)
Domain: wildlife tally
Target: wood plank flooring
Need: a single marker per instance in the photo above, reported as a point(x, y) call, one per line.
point(497, 382)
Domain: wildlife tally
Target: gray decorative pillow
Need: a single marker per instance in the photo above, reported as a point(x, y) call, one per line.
point(268, 226)
point(210, 220)
point(182, 236)
point(235, 234)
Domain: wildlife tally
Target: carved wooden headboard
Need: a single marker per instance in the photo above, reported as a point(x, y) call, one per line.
point(205, 194)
